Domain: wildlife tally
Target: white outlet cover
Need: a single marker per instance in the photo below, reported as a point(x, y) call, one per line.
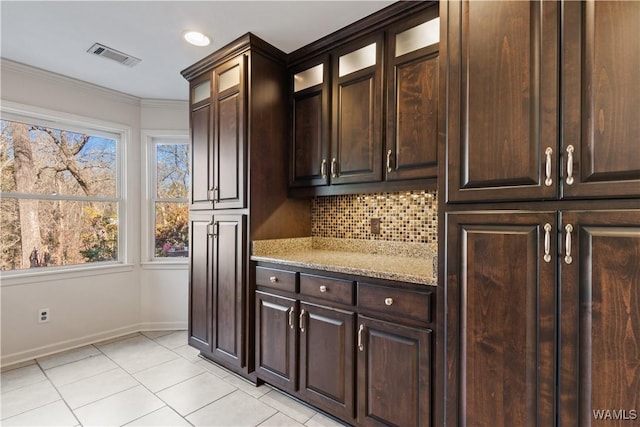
point(43, 315)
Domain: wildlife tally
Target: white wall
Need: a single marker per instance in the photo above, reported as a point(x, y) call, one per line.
point(92, 305)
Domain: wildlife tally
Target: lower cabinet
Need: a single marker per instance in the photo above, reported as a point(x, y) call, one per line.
point(544, 324)
point(217, 294)
point(394, 374)
point(317, 341)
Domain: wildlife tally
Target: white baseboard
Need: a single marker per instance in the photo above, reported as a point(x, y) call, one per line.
point(23, 356)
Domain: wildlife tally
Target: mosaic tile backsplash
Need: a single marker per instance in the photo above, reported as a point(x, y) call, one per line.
point(408, 216)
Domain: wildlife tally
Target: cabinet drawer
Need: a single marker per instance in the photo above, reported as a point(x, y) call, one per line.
point(328, 288)
point(397, 302)
point(276, 279)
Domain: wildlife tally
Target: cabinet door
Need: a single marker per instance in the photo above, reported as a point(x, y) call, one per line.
point(200, 290)
point(327, 358)
point(600, 318)
point(310, 143)
point(276, 345)
point(501, 319)
point(412, 98)
point(394, 374)
point(356, 142)
point(229, 255)
point(503, 96)
point(229, 134)
point(601, 98)
point(201, 148)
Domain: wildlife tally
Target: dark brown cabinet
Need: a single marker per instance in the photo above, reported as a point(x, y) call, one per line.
point(356, 142)
point(519, 270)
point(229, 168)
point(600, 319)
point(217, 288)
point(307, 344)
point(239, 132)
point(394, 374)
point(309, 153)
point(600, 99)
point(277, 340)
point(200, 285)
point(327, 358)
point(504, 139)
point(503, 90)
point(201, 147)
point(228, 286)
point(501, 303)
point(365, 106)
point(411, 150)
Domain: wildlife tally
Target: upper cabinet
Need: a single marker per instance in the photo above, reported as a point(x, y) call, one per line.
point(310, 119)
point(356, 138)
point(218, 137)
point(600, 99)
point(505, 64)
point(201, 149)
point(412, 98)
point(229, 135)
point(365, 105)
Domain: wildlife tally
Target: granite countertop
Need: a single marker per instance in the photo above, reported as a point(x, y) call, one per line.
point(406, 262)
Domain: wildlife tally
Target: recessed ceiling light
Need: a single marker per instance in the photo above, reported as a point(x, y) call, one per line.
point(196, 38)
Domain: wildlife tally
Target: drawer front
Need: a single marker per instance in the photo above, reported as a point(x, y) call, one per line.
point(327, 288)
point(397, 302)
point(276, 279)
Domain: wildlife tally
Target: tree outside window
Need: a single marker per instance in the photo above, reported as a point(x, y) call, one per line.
point(171, 198)
point(60, 200)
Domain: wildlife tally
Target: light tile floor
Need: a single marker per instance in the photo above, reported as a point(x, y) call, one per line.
point(142, 379)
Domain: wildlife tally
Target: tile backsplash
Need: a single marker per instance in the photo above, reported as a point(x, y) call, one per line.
point(407, 216)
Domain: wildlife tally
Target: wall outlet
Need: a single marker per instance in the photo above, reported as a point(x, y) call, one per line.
point(43, 315)
point(375, 225)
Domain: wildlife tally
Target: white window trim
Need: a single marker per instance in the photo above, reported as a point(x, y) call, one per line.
point(149, 261)
point(73, 122)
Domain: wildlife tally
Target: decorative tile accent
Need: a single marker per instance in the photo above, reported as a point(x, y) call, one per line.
point(408, 216)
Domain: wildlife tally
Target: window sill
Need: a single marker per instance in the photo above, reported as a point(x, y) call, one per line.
point(166, 265)
point(22, 277)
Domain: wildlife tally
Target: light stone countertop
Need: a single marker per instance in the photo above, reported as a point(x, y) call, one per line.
point(406, 262)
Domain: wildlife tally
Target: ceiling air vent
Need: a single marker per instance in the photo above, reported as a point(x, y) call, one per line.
point(116, 55)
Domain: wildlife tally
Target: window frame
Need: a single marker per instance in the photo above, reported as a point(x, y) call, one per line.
point(151, 138)
point(12, 111)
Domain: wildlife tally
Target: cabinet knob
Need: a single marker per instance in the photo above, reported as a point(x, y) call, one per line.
point(388, 301)
point(323, 288)
point(273, 279)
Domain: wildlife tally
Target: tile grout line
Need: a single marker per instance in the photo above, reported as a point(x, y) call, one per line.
point(44, 372)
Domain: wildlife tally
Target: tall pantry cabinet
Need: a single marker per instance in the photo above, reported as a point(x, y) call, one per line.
point(541, 213)
point(239, 193)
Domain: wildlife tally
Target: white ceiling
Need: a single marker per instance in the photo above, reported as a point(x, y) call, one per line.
point(55, 35)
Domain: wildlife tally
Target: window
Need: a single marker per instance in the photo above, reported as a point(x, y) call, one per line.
point(60, 191)
point(169, 188)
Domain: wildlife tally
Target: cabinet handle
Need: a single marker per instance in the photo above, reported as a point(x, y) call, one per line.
point(567, 244)
point(211, 194)
point(210, 228)
point(548, 181)
point(361, 338)
point(389, 153)
point(301, 321)
point(273, 279)
point(388, 301)
point(334, 168)
point(323, 168)
point(547, 242)
point(323, 288)
point(569, 179)
point(291, 318)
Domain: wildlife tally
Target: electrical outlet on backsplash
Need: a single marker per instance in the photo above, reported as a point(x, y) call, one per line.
point(406, 216)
